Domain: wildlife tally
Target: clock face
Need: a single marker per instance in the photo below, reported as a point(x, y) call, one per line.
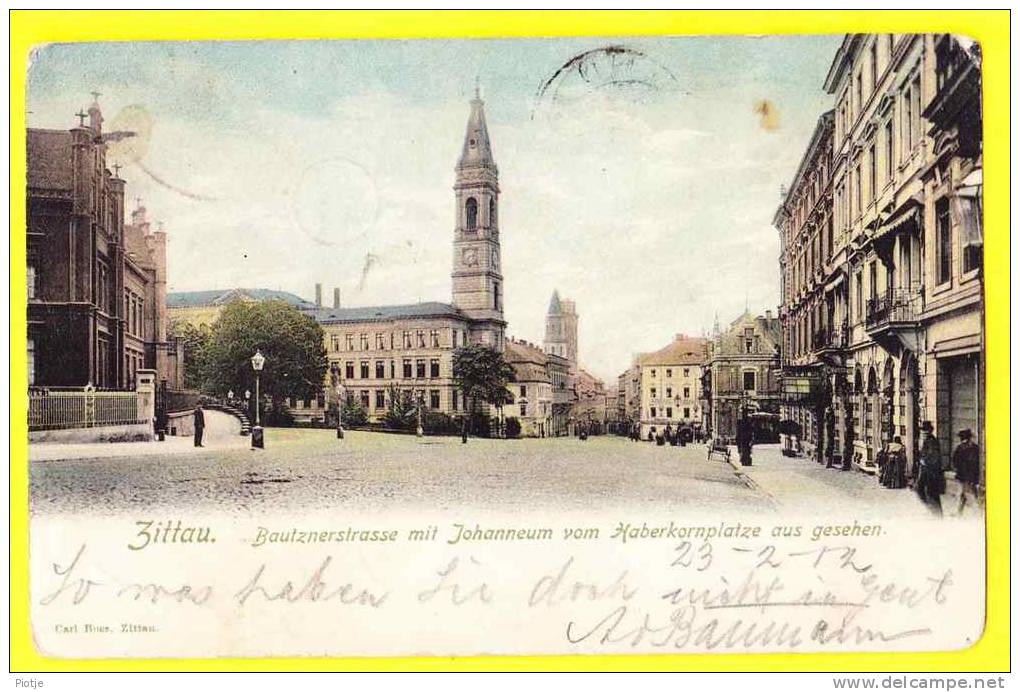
point(469, 257)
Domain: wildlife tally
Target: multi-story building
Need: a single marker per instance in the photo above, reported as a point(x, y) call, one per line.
point(671, 385)
point(628, 396)
point(410, 347)
point(743, 374)
point(589, 410)
point(96, 287)
point(814, 300)
point(952, 316)
point(904, 269)
point(532, 390)
point(202, 308)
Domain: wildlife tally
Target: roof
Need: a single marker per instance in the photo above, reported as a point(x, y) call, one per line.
point(683, 351)
point(529, 362)
point(191, 299)
point(48, 154)
point(477, 151)
point(385, 312)
point(554, 304)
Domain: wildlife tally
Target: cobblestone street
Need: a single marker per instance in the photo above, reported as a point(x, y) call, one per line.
point(308, 470)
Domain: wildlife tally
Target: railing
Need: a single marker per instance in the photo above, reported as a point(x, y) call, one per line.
point(58, 410)
point(896, 305)
point(835, 338)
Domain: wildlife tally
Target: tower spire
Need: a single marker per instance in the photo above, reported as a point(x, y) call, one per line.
point(477, 149)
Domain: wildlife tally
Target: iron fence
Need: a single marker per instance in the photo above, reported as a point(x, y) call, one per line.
point(58, 410)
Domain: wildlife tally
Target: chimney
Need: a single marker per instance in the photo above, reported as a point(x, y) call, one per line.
point(336, 298)
point(318, 295)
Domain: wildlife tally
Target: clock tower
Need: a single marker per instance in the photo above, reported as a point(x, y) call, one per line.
point(477, 278)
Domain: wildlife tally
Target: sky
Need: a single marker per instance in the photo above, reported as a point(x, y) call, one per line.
point(641, 184)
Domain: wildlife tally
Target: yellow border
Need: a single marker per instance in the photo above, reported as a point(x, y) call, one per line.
point(991, 28)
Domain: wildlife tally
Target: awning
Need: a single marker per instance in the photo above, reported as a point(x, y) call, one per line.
point(835, 282)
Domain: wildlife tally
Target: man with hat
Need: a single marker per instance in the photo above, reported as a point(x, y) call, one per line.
point(931, 481)
point(965, 463)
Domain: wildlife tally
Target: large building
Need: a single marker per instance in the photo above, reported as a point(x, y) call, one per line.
point(202, 308)
point(411, 347)
point(742, 373)
point(671, 385)
point(532, 389)
point(96, 286)
point(888, 316)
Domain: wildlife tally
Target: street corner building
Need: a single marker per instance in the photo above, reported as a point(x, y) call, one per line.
point(375, 350)
point(671, 386)
point(881, 263)
point(741, 377)
point(96, 285)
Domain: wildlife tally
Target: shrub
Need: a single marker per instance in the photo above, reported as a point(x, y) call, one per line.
point(513, 427)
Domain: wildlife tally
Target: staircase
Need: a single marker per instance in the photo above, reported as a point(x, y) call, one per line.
point(213, 405)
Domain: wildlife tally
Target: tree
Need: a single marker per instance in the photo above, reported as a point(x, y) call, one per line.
point(193, 340)
point(354, 414)
point(482, 375)
point(402, 411)
point(290, 340)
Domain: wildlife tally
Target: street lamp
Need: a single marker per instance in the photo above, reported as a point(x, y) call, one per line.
point(338, 387)
point(258, 361)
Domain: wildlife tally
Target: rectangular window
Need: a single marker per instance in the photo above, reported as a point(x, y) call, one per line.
point(30, 280)
point(364, 342)
point(524, 409)
point(669, 392)
point(943, 238)
point(859, 296)
point(407, 339)
point(653, 412)
point(874, 63)
point(454, 333)
point(364, 369)
point(669, 372)
point(749, 381)
point(669, 412)
point(888, 150)
point(968, 214)
point(872, 173)
point(687, 372)
point(334, 342)
point(419, 369)
point(687, 392)
point(364, 399)
point(380, 369)
point(349, 370)
point(434, 367)
point(653, 373)
point(30, 346)
point(434, 338)
point(421, 338)
point(687, 412)
point(434, 399)
point(407, 369)
point(349, 341)
point(653, 392)
point(380, 341)
point(455, 399)
point(380, 399)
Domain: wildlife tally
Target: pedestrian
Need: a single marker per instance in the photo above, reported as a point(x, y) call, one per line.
point(897, 460)
point(965, 463)
point(744, 441)
point(199, 424)
point(931, 481)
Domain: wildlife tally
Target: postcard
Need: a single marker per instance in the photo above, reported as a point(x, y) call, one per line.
point(452, 347)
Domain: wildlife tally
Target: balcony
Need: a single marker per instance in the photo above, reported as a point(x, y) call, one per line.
point(892, 319)
point(828, 343)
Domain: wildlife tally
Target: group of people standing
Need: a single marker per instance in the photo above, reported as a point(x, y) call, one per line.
point(929, 472)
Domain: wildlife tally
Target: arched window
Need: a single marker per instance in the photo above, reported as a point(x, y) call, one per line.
point(492, 212)
point(471, 213)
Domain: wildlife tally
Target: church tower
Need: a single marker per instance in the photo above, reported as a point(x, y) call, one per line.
point(477, 279)
point(561, 329)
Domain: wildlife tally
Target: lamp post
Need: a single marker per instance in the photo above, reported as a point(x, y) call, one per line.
point(419, 429)
point(258, 361)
